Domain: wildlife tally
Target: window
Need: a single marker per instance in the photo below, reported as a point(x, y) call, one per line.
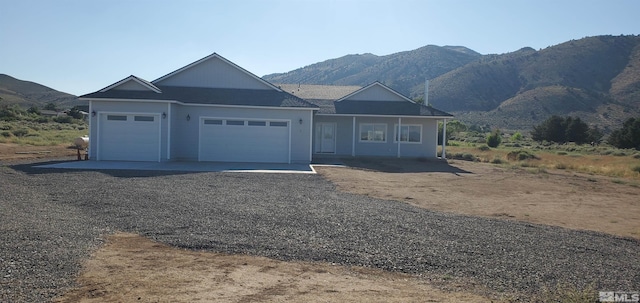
point(235, 122)
point(280, 124)
point(213, 122)
point(370, 132)
point(257, 123)
point(116, 118)
point(143, 118)
point(409, 133)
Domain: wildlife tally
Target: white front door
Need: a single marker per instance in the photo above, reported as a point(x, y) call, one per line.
point(327, 140)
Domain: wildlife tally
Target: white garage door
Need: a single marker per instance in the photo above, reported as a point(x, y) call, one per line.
point(129, 137)
point(244, 140)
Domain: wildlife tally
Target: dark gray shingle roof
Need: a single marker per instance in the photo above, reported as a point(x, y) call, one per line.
point(199, 95)
point(384, 108)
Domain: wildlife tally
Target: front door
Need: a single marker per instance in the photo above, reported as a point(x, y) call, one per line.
point(327, 142)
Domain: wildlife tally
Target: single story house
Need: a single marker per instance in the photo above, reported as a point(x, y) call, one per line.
point(214, 110)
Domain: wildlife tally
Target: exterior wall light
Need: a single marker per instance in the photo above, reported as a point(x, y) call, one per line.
point(93, 113)
point(300, 121)
point(164, 115)
point(188, 117)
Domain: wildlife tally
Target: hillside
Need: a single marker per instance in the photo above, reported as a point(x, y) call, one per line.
point(404, 71)
point(595, 78)
point(27, 94)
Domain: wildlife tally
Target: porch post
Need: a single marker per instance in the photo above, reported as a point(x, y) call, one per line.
point(399, 134)
point(444, 138)
point(353, 142)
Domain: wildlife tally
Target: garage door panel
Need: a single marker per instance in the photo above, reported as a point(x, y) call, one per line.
point(252, 140)
point(129, 137)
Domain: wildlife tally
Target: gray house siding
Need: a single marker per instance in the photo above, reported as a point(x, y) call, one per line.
point(345, 145)
point(187, 132)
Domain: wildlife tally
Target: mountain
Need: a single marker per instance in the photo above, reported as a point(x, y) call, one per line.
point(595, 78)
point(404, 71)
point(27, 94)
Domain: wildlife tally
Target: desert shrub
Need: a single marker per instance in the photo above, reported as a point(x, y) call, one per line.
point(497, 160)
point(520, 155)
point(468, 157)
point(636, 168)
point(63, 119)
point(494, 139)
point(6, 127)
point(619, 154)
point(561, 153)
point(6, 134)
point(20, 132)
point(484, 148)
point(561, 166)
point(517, 136)
point(636, 156)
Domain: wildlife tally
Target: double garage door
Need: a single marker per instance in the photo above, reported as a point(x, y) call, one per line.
point(244, 140)
point(129, 137)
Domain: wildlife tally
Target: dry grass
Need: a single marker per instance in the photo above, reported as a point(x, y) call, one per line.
point(607, 162)
point(40, 134)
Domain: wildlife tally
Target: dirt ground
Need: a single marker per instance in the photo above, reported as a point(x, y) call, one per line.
point(555, 197)
point(131, 268)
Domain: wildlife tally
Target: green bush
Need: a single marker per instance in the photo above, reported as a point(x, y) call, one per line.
point(6, 134)
point(517, 136)
point(561, 153)
point(636, 168)
point(484, 148)
point(497, 160)
point(494, 139)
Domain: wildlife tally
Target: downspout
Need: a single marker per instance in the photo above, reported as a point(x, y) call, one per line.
point(444, 139)
point(353, 142)
point(399, 134)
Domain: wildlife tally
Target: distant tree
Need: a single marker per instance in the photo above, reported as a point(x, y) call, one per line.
point(51, 106)
point(419, 100)
point(494, 139)
point(454, 127)
point(576, 130)
point(594, 134)
point(75, 113)
point(628, 136)
point(34, 110)
point(560, 130)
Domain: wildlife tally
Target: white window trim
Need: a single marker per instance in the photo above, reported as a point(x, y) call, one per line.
point(395, 133)
point(386, 133)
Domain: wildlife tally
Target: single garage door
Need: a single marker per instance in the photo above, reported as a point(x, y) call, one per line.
point(244, 140)
point(129, 137)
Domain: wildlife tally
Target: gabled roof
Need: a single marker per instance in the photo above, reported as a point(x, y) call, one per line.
point(141, 82)
point(400, 106)
point(370, 86)
point(203, 95)
point(210, 57)
point(318, 92)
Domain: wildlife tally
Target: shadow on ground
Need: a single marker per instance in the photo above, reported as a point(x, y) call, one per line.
point(33, 169)
point(403, 165)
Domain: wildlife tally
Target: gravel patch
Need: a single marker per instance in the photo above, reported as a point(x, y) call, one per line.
point(51, 219)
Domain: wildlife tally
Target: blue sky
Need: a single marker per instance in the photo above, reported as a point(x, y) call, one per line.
point(80, 46)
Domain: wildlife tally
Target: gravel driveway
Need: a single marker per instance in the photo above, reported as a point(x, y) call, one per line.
point(51, 219)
